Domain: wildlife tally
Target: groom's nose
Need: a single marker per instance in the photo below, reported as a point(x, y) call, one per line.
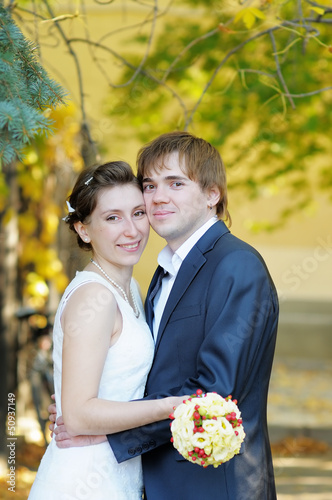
point(160, 195)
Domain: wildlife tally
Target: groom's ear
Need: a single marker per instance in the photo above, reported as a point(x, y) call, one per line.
point(213, 195)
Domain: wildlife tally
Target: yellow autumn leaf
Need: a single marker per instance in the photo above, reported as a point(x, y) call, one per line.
point(31, 187)
point(30, 158)
point(248, 19)
point(239, 15)
point(50, 226)
point(248, 16)
point(48, 264)
point(60, 281)
point(49, 270)
point(36, 286)
point(257, 13)
point(27, 223)
point(319, 10)
point(30, 251)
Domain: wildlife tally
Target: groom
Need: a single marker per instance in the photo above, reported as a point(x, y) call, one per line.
point(213, 310)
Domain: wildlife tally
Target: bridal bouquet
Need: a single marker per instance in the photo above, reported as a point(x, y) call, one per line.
point(207, 429)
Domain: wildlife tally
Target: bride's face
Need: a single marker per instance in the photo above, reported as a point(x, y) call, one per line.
point(118, 228)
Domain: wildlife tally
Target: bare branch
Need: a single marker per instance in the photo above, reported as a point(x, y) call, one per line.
point(218, 68)
point(139, 68)
point(304, 23)
point(188, 47)
point(307, 94)
point(63, 17)
point(132, 66)
point(73, 54)
point(279, 73)
point(131, 27)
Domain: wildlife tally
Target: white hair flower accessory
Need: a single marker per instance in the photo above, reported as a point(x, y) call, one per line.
point(70, 208)
point(70, 211)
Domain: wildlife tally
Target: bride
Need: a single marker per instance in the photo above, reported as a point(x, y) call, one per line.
point(103, 348)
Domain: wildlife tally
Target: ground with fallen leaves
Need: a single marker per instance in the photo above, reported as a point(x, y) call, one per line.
point(29, 455)
point(300, 397)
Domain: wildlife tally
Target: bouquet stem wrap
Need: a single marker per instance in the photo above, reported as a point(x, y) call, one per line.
point(207, 429)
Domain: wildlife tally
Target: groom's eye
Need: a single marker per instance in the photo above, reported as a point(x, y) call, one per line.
point(148, 187)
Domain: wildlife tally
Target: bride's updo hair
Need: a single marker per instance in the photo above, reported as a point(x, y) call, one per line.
point(83, 199)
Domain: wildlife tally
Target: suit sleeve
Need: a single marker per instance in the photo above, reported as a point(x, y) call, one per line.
point(240, 319)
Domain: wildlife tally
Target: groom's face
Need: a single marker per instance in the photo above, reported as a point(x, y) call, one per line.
point(176, 205)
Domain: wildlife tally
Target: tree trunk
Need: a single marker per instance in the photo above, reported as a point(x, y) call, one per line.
point(8, 305)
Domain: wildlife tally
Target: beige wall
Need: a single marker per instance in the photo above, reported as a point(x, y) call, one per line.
point(299, 257)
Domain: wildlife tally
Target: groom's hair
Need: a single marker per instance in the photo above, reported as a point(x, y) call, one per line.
point(199, 160)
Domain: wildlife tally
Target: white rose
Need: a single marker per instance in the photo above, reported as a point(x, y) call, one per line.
point(212, 426)
point(201, 440)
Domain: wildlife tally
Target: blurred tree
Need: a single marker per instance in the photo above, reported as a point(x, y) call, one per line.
point(46, 253)
point(25, 91)
point(39, 254)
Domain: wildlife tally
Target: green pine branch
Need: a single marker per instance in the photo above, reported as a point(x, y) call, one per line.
point(26, 91)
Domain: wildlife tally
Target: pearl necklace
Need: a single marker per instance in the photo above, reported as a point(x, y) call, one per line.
point(135, 308)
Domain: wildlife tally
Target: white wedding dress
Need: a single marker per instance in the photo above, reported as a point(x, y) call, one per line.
point(92, 472)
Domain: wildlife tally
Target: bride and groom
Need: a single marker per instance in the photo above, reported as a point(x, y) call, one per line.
point(213, 311)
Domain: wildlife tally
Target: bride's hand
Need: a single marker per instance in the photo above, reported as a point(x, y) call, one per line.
point(65, 440)
point(61, 436)
point(52, 415)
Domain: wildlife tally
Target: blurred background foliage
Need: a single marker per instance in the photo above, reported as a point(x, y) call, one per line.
point(253, 78)
point(258, 101)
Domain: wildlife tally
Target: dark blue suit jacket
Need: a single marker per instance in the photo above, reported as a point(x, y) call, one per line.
point(217, 333)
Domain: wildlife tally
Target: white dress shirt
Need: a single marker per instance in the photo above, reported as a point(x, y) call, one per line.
point(171, 262)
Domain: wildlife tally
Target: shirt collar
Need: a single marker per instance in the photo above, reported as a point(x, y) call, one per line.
point(171, 261)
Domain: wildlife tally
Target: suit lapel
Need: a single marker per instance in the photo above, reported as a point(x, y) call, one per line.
point(188, 270)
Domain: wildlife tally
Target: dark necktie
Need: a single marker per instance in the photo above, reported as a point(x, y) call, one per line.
point(157, 285)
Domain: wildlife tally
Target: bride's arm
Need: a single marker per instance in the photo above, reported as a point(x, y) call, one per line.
point(89, 319)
